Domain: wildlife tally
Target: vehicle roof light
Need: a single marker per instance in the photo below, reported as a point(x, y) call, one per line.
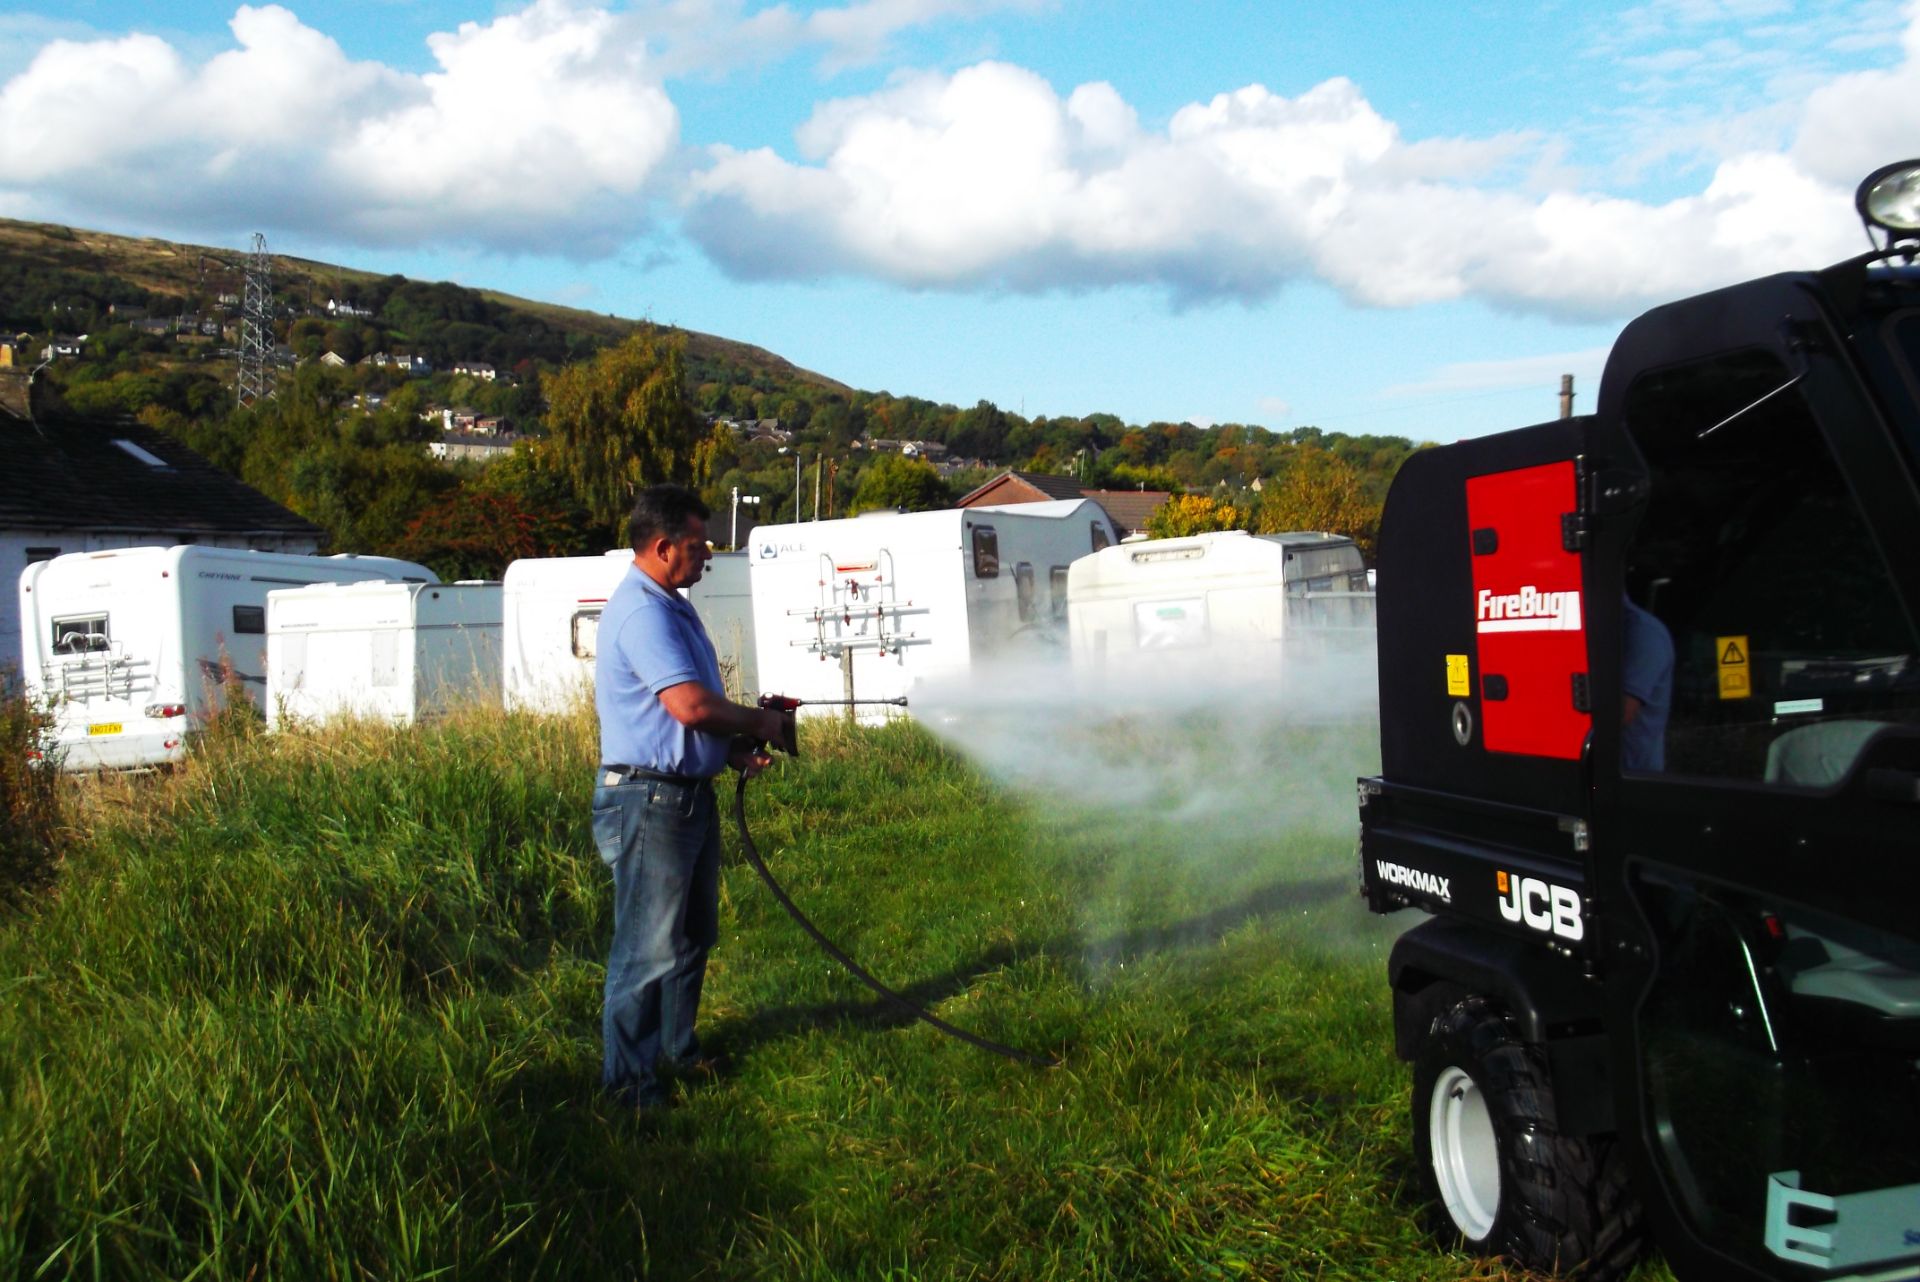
point(1890, 200)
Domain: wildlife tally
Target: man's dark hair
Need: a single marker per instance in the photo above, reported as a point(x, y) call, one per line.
point(662, 510)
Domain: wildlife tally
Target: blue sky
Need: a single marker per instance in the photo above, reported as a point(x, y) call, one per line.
point(1404, 219)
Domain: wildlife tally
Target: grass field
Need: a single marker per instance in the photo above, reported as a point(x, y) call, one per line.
point(326, 1005)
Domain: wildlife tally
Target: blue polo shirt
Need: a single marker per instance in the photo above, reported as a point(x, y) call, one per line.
point(651, 640)
point(1646, 673)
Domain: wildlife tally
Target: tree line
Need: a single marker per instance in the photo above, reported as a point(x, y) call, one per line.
point(345, 447)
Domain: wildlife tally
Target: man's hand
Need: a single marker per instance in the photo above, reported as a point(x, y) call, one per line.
point(748, 757)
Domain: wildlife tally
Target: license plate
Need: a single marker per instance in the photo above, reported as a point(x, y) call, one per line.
point(105, 727)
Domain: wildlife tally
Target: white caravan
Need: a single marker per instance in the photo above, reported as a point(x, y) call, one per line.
point(724, 599)
point(870, 606)
point(551, 624)
point(398, 652)
point(550, 627)
point(134, 645)
point(1219, 607)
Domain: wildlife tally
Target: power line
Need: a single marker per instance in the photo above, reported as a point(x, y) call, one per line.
point(256, 324)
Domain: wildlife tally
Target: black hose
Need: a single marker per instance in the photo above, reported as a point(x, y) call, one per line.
point(853, 967)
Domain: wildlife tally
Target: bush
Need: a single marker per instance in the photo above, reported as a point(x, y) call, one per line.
point(233, 717)
point(29, 795)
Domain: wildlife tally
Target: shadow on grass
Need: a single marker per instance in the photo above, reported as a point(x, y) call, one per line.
point(1072, 951)
point(662, 1194)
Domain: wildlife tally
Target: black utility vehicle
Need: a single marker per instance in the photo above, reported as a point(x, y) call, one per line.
point(1672, 980)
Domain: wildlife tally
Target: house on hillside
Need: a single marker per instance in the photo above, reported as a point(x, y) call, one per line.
point(952, 466)
point(400, 362)
point(471, 445)
point(1129, 509)
point(929, 450)
point(84, 484)
point(477, 369)
point(464, 419)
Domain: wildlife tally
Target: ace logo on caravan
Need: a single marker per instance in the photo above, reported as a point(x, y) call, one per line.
point(1541, 905)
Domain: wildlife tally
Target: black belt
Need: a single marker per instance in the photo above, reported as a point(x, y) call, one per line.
point(613, 776)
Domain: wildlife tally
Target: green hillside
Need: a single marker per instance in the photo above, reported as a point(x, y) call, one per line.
point(370, 369)
point(52, 275)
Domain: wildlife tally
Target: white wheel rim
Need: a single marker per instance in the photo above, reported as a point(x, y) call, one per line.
point(1466, 1156)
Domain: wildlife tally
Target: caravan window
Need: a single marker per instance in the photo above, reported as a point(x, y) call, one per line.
point(1100, 539)
point(586, 633)
point(79, 634)
point(1057, 588)
point(1023, 589)
point(36, 555)
point(986, 553)
point(250, 620)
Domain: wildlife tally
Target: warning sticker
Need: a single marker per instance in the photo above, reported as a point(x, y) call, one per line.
point(1459, 682)
point(1736, 681)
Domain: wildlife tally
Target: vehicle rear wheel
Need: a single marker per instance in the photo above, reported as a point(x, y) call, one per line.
point(1503, 1178)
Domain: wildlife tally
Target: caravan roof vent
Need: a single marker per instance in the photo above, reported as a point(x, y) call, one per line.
point(1190, 553)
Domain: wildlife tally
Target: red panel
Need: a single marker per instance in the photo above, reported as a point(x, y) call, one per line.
point(1530, 621)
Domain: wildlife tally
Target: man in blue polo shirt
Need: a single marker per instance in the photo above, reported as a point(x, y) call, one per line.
point(666, 729)
point(1646, 681)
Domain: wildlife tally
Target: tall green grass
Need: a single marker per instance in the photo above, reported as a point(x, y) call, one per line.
point(325, 1004)
point(31, 818)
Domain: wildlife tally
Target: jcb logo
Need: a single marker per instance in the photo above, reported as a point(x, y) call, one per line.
point(1542, 906)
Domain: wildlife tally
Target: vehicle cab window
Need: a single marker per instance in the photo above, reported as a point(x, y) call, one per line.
point(1789, 646)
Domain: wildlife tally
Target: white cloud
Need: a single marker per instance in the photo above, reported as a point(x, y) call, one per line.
point(1861, 121)
point(989, 179)
point(540, 129)
point(22, 35)
point(1501, 375)
point(859, 32)
point(549, 129)
point(548, 112)
point(709, 36)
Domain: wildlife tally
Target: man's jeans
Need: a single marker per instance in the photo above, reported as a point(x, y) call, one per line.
point(661, 840)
